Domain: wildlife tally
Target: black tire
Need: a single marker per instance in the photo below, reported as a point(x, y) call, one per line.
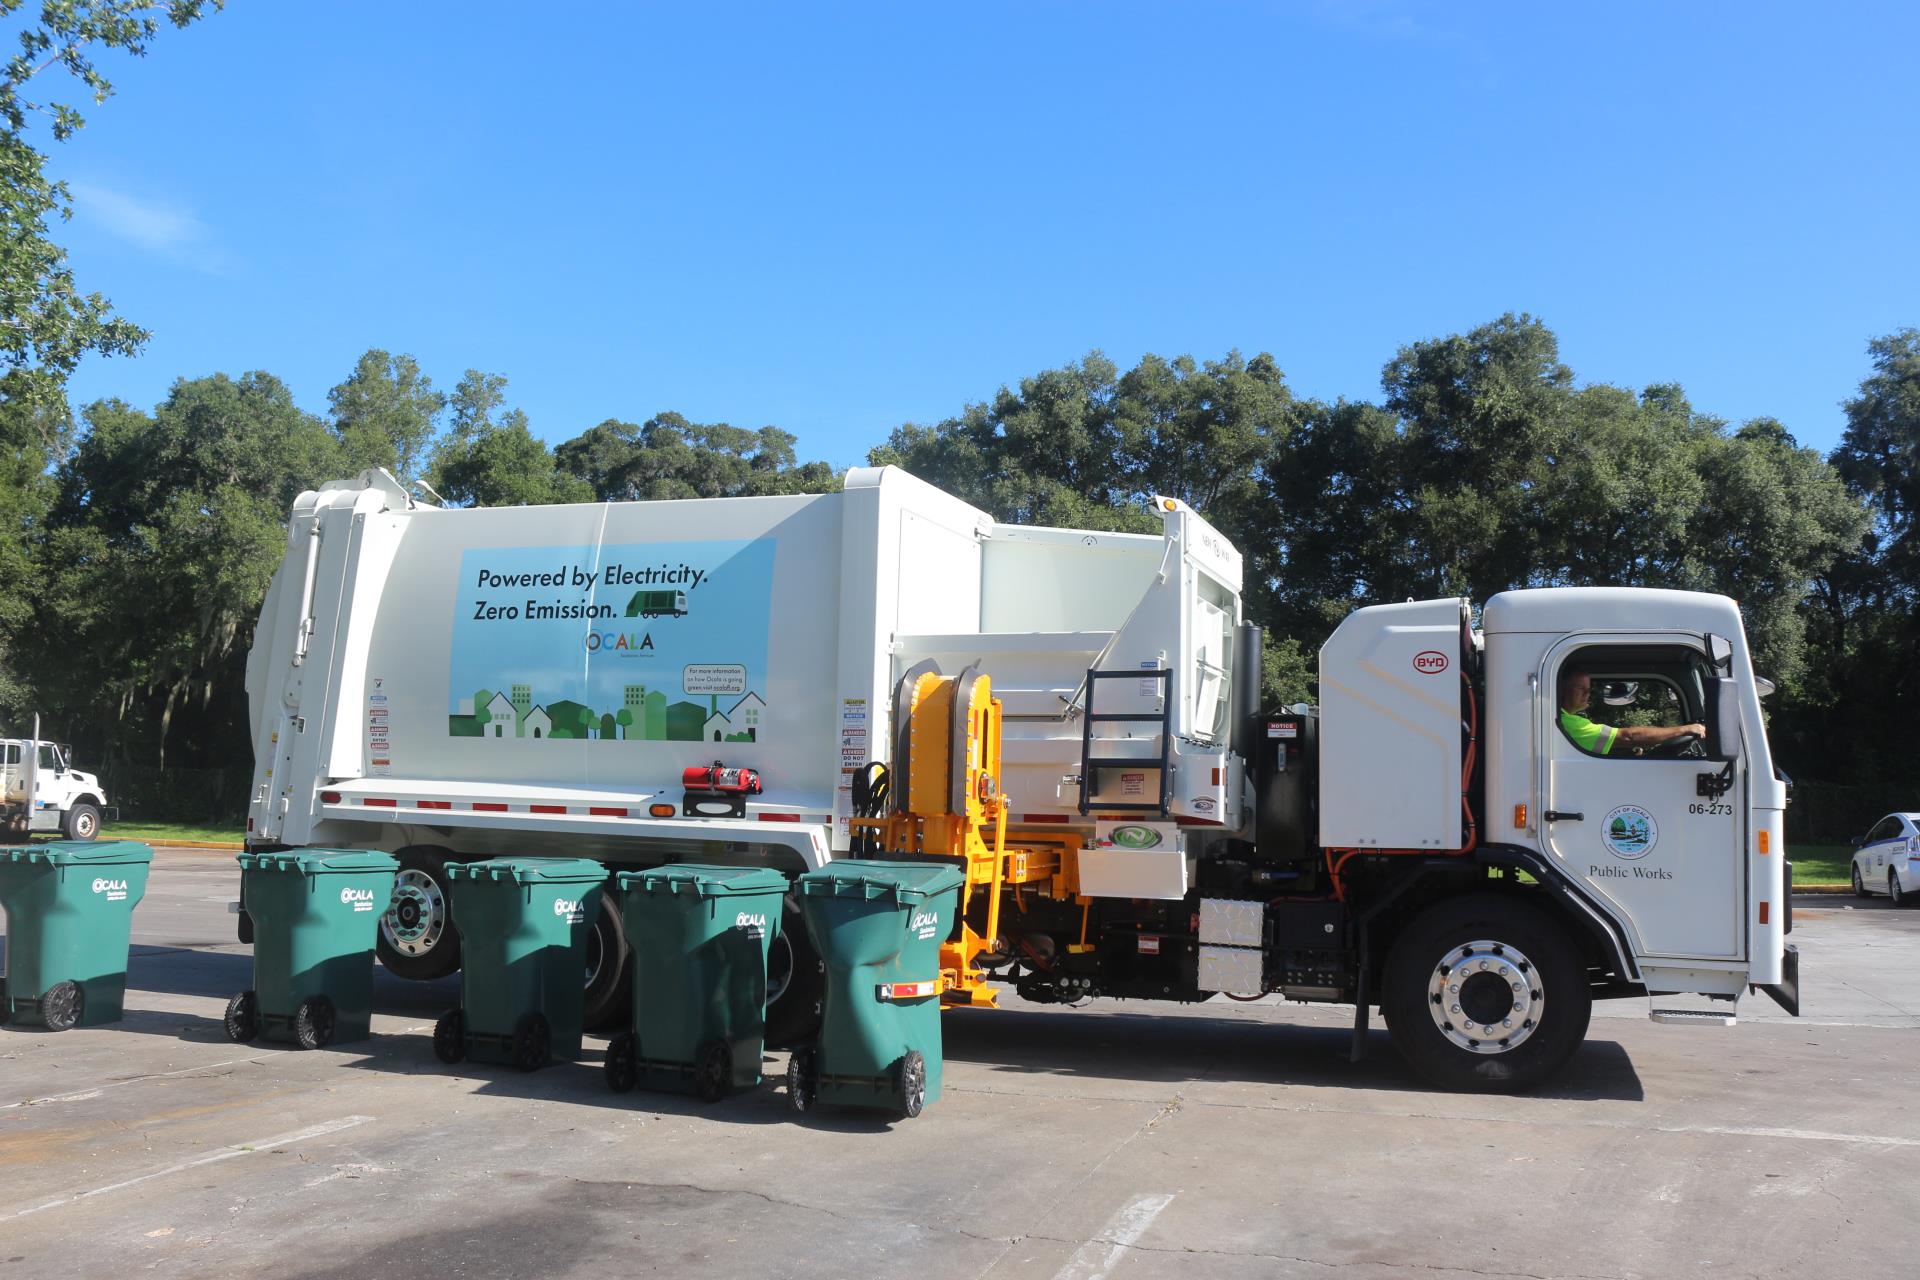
point(243, 1017)
point(450, 1036)
point(313, 1023)
point(713, 1074)
point(61, 1007)
point(796, 982)
point(82, 822)
point(803, 1081)
point(623, 1062)
point(1899, 896)
point(417, 940)
point(609, 999)
point(1859, 885)
point(532, 1043)
point(910, 1078)
point(1444, 1043)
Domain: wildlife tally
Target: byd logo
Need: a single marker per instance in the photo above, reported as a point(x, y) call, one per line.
point(1430, 663)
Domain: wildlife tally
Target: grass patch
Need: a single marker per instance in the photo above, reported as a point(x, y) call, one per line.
point(172, 832)
point(1821, 863)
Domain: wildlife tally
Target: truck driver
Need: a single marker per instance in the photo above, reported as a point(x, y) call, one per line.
point(1576, 692)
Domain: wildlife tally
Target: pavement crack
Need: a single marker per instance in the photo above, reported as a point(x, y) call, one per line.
point(767, 1198)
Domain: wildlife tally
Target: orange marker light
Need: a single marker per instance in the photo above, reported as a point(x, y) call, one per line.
point(1519, 817)
point(1763, 913)
point(1763, 842)
point(660, 810)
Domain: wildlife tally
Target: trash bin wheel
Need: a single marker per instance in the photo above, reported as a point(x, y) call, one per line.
point(450, 1036)
point(623, 1062)
point(803, 1080)
point(313, 1023)
point(911, 1077)
point(60, 1008)
point(532, 1042)
point(713, 1076)
point(243, 1017)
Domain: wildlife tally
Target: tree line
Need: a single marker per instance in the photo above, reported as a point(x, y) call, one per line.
point(140, 542)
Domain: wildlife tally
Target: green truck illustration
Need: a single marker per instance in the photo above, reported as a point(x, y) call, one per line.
point(657, 604)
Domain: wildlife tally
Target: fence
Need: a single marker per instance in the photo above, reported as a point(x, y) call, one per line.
point(1834, 813)
point(147, 794)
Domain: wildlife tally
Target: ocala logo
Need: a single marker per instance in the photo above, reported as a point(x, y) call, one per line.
point(619, 642)
point(924, 923)
point(569, 909)
point(358, 899)
point(744, 920)
point(116, 890)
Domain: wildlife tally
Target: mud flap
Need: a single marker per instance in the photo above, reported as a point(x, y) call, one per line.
point(1786, 992)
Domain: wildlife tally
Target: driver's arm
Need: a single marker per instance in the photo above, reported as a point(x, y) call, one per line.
point(1652, 735)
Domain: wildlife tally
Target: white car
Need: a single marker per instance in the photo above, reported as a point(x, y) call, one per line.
point(1888, 859)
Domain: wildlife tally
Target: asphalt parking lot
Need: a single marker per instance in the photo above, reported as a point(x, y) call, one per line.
point(1122, 1139)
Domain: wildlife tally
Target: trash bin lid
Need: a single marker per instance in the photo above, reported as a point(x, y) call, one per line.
point(530, 870)
point(861, 878)
point(63, 853)
point(703, 881)
point(315, 862)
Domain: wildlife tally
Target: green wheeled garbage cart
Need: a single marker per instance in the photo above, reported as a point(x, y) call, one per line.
point(316, 913)
point(524, 926)
point(69, 906)
point(878, 927)
point(700, 937)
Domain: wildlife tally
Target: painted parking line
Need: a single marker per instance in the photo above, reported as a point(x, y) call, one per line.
point(1097, 1258)
point(233, 1152)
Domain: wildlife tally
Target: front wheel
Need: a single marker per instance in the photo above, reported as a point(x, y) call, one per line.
point(1485, 993)
point(912, 1082)
point(532, 1043)
point(1859, 885)
point(313, 1023)
point(803, 1081)
point(61, 1007)
point(82, 822)
point(713, 1077)
point(450, 1036)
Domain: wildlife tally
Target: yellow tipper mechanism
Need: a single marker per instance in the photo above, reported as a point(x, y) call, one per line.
point(948, 805)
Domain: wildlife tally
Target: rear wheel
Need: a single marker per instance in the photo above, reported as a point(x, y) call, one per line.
point(803, 1082)
point(623, 1062)
point(532, 1043)
point(1900, 897)
point(82, 822)
point(313, 1023)
point(243, 1017)
point(417, 939)
point(713, 1078)
point(912, 1081)
point(1485, 993)
point(450, 1036)
point(61, 1007)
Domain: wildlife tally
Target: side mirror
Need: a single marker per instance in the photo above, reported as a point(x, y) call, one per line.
point(1858, 841)
point(1723, 719)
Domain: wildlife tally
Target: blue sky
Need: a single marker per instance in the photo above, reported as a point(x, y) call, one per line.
point(837, 218)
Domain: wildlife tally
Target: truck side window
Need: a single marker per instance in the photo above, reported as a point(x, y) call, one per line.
point(1625, 686)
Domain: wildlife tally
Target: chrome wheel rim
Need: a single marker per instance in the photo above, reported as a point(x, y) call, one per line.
point(417, 920)
point(1486, 997)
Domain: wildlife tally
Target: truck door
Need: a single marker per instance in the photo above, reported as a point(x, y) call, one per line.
point(1632, 823)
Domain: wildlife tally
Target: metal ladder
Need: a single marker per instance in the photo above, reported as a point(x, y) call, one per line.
point(1090, 764)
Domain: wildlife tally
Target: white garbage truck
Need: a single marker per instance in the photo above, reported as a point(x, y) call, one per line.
point(1072, 717)
point(41, 791)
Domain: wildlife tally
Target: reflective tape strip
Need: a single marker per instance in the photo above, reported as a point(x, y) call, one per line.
point(909, 990)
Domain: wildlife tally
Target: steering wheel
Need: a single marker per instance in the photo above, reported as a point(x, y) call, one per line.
point(1687, 744)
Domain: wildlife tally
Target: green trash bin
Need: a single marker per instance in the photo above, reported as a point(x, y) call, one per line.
point(524, 925)
point(316, 913)
point(878, 927)
point(700, 937)
point(69, 906)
